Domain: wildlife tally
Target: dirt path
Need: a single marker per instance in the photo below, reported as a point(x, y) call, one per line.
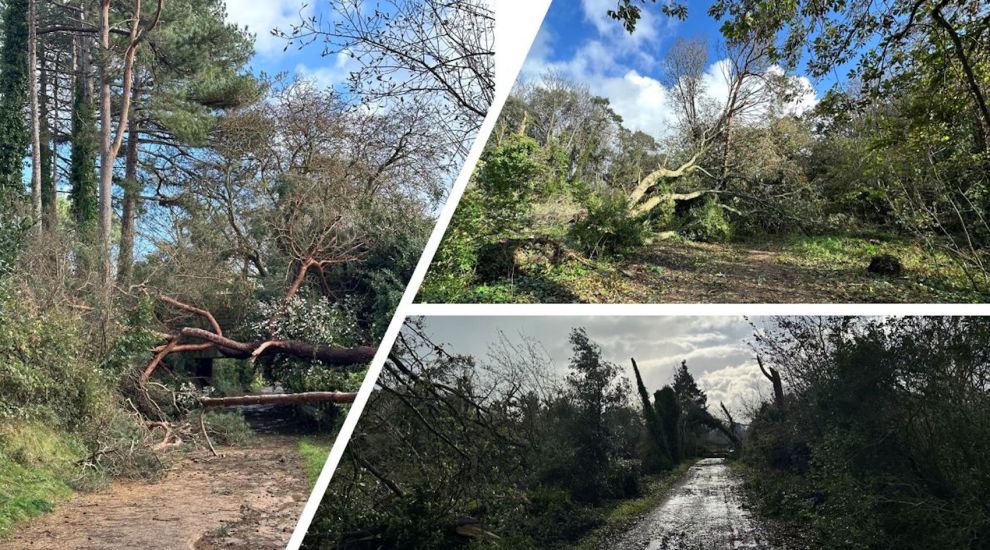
point(704, 511)
point(687, 272)
point(249, 497)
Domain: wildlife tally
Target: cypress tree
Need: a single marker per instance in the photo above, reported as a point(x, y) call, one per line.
point(13, 97)
point(82, 168)
point(660, 458)
point(669, 413)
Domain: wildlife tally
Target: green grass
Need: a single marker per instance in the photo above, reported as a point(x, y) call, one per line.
point(626, 513)
point(314, 453)
point(935, 271)
point(37, 467)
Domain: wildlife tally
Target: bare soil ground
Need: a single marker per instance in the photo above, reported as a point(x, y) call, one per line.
point(691, 272)
point(704, 511)
point(248, 497)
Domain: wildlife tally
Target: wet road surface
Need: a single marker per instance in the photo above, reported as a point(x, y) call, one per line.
point(704, 511)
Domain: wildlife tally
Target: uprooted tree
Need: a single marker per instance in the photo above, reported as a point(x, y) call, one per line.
point(754, 88)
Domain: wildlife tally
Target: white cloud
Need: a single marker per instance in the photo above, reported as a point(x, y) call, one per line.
point(740, 387)
point(261, 16)
point(642, 101)
point(330, 74)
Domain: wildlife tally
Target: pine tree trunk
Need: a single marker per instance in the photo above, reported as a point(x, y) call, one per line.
point(106, 156)
point(35, 115)
point(49, 195)
point(125, 261)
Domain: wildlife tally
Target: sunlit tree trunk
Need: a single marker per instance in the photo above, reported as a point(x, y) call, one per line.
point(32, 61)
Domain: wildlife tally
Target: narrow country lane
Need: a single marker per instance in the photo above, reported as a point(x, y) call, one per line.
point(704, 511)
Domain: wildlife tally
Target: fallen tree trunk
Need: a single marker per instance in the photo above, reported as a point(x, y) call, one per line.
point(280, 399)
point(296, 348)
point(228, 347)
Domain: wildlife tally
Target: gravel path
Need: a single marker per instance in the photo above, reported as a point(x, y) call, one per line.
point(704, 511)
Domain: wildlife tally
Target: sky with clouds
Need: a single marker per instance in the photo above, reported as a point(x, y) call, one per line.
point(714, 347)
point(271, 55)
point(578, 40)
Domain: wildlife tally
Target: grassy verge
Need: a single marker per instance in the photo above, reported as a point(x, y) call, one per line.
point(37, 470)
point(626, 513)
point(314, 453)
point(934, 272)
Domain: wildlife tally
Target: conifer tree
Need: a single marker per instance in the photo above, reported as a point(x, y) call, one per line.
point(661, 456)
point(82, 168)
point(13, 96)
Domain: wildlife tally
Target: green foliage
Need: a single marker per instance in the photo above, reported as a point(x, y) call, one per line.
point(507, 175)
point(36, 465)
point(82, 168)
point(14, 230)
point(13, 98)
point(608, 228)
point(669, 415)
point(554, 518)
point(597, 390)
point(877, 443)
point(453, 267)
point(309, 320)
point(43, 375)
point(659, 456)
point(496, 457)
point(709, 224)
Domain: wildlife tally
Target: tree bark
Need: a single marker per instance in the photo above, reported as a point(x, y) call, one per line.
point(280, 399)
point(36, 168)
point(651, 180)
point(110, 143)
point(49, 196)
point(125, 258)
point(105, 187)
point(773, 376)
point(296, 348)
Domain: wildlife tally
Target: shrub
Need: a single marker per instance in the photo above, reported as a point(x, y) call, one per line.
point(608, 228)
point(227, 428)
point(453, 267)
point(552, 517)
point(708, 224)
point(44, 373)
point(234, 377)
point(507, 176)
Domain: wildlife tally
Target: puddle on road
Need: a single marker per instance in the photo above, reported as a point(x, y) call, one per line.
point(704, 511)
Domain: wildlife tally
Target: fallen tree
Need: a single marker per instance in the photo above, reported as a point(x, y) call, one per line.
point(280, 399)
point(228, 347)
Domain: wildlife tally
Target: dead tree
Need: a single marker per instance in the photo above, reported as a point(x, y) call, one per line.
point(773, 376)
point(732, 422)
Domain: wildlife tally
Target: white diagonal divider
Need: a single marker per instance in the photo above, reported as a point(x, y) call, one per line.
point(516, 25)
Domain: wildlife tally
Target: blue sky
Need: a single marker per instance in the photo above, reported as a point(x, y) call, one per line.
point(261, 16)
point(579, 41)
